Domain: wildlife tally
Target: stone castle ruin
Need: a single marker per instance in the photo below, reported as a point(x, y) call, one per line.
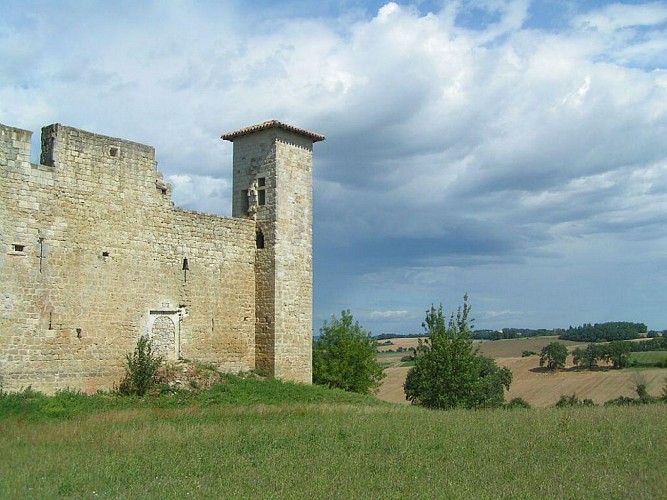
point(93, 254)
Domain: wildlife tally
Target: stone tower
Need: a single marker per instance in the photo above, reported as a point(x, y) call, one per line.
point(272, 172)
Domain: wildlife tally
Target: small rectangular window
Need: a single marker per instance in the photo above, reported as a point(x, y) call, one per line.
point(114, 152)
point(261, 191)
point(18, 248)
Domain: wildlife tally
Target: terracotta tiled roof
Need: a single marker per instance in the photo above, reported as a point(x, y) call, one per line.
point(272, 124)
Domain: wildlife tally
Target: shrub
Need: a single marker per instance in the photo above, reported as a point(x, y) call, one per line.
point(344, 356)
point(141, 369)
point(517, 403)
point(570, 401)
point(448, 372)
point(623, 401)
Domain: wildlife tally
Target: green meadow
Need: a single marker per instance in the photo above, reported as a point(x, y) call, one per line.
point(265, 439)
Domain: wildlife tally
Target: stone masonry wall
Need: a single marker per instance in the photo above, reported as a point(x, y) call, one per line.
point(293, 257)
point(284, 266)
point(92, 255)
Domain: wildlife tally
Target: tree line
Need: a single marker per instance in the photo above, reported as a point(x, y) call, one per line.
point(598, 332)
point(605, 332)
point(616, 353)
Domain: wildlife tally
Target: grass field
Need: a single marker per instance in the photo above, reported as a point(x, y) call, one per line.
point(253, 439)
point(648, 357)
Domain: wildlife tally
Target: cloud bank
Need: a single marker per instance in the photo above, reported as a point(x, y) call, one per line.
point(512, 150)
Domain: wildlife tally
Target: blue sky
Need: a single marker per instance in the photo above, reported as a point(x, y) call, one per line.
point(513, 150)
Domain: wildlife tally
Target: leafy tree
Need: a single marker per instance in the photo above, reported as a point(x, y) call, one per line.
point(553, 355)
point(141, 369)
point(617, 353)
point(588, 357)
point(448, 372)
point(344, 356)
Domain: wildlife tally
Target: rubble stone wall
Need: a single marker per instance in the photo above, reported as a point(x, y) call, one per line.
point(93, 254)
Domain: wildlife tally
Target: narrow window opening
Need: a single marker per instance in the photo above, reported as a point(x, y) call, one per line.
point(41, 254)
point(261, 191)
point(260, 239)
point(18, 248)
point(50, 321)
point(78, 333)
point(114, 152)
point(186, 268)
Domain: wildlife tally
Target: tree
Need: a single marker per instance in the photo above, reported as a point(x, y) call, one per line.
point(617, 353)
point(588, 357)
point(448, 372)
point(344, 356)
point(554, 356)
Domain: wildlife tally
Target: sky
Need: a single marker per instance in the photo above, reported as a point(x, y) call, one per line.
point(515, 151)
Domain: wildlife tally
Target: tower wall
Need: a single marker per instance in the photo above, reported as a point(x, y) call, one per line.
point(278, 161)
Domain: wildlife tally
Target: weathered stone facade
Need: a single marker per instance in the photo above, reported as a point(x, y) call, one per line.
point(93, 254)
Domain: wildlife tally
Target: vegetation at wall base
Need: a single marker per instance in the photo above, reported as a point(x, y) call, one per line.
point(242, 390)
point(241, 440)
point(141, 369)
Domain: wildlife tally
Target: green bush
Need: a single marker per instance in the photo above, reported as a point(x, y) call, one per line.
point(517, 403)
point(448, 372)
point(344, 357)
point(141, 369)
point(624, 401)
point(570, 401)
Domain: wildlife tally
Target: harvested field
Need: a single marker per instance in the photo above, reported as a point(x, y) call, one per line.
point(493, 349)
point(392, 386)
point(512, 348)
point(403, 342)
point(537, 387)
point(544, 389)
